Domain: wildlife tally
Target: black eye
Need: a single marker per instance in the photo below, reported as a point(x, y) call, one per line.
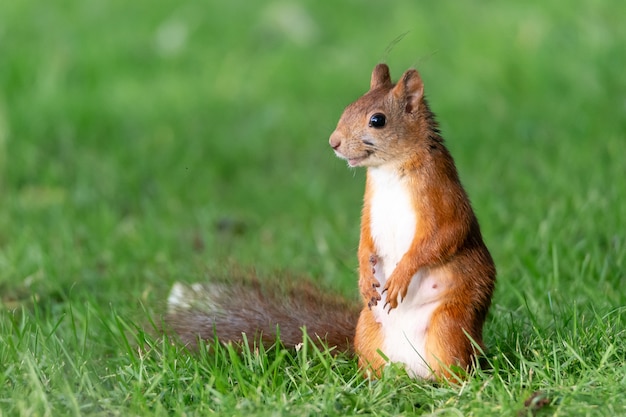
point(377, 120)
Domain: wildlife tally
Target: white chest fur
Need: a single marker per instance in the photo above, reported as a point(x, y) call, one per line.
point(393, 226)
point(393, 219)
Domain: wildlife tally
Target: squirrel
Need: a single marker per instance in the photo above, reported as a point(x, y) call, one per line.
point(426, 277)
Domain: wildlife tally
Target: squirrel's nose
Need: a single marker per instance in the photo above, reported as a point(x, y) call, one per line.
point(334, 141)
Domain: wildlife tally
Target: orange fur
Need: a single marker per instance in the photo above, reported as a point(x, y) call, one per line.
point(368, 284)
point(367, 341)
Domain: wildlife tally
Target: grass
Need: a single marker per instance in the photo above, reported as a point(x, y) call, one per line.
point(148, 142)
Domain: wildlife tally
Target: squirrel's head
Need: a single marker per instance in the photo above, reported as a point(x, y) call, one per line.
point(382, 126)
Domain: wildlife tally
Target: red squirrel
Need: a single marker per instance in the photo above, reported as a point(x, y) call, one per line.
point(426, 277)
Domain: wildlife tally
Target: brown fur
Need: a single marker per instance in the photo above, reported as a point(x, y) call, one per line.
point(262, 309)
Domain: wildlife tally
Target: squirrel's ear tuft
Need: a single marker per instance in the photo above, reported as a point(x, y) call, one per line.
point(410, 89)
point(380, 76)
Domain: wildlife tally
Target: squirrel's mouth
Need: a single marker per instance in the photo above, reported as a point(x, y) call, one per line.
point(355, 162)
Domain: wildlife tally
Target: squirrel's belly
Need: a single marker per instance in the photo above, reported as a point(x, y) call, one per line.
point(405, 328)
point(393, 227)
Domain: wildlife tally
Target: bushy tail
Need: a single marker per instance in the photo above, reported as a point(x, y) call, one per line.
point(228, 310)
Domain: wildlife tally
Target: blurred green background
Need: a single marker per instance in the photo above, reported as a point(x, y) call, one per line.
point(152, 141)
point(143, 141)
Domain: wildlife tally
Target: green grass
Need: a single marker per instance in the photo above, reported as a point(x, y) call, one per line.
point(151, 141)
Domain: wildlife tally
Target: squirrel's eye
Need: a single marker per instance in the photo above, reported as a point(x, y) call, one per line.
point(377, 120)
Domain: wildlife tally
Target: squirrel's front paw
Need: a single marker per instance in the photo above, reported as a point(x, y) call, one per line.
point(368, 284)
point(369, 290)
point(393, 291)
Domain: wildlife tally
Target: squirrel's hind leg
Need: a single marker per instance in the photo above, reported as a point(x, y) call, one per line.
point(453, 341)
point(368, 342)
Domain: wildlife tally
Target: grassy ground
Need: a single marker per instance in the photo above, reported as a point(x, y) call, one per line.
point(152, 141)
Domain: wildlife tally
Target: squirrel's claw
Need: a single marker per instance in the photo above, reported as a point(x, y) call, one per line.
point(392, 296)
point(375, 298)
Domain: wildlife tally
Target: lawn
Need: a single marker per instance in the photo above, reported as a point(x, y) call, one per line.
point(148, 142)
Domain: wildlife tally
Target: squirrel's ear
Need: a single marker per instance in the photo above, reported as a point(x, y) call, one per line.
point(380, 76)
point(410, 89)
